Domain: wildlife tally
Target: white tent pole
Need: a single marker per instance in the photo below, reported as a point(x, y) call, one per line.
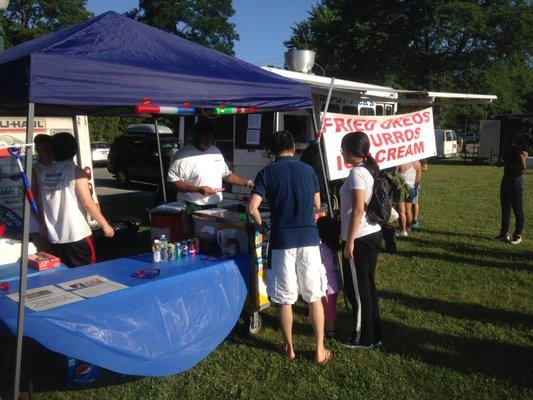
point(326, 106)
point(160, 156)
point(323, 166)
point(319, 144)
point(23, 277)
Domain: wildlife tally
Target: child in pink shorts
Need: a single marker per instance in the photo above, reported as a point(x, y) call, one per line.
point(328, 230)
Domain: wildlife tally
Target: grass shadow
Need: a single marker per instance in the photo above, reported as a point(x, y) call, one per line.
point(491, 358)
point(473, 251)
point(514, 266)
point(466, 311)
point(456, 161)
point(455, 234)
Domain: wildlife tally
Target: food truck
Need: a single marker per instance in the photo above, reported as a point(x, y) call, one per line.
point(498, 132)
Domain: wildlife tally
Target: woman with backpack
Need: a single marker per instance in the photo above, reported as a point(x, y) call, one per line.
point(361, 239)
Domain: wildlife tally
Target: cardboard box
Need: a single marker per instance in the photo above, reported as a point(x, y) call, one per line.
point(41, 261)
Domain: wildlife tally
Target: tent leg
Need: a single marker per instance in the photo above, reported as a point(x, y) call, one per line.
point(23, 278)
point(323, 166)
point(160, 156)
point(318, 134)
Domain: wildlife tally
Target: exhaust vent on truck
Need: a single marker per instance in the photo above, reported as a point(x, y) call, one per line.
point(300, 60)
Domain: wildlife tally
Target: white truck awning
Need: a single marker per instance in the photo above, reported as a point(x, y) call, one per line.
point(320, 84)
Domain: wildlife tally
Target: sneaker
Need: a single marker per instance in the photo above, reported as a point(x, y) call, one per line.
point(330, 334)
point(415, 225)
point(354, 344)
point(502, 238)
point(516, 239)
point(379, 346)
point(401, 233)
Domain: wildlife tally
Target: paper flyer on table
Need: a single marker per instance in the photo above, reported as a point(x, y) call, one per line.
point(46, 297)
point(92, 286)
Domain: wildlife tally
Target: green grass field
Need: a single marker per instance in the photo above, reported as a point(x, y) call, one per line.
point(457, 314)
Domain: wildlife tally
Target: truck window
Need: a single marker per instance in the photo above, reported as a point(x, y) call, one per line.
point(333, 108)
point(136, 149)
point(366, 111)
point(297, 125)
point(223, 127)
point(388, 110)
point(379, 109)
point(351, 110)
point(224, 136)
point(267, 129)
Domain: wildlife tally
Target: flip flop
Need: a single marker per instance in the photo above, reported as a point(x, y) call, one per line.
point(280, 348)
point(327, 358)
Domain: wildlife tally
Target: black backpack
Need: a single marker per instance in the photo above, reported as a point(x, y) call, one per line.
point(378, 209)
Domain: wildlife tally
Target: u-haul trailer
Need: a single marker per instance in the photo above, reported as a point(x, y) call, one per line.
point(13, 131)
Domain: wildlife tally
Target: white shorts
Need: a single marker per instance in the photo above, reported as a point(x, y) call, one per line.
point(296, 271)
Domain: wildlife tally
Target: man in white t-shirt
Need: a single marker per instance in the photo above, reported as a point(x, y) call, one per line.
point(65, 201)
point(197, 172)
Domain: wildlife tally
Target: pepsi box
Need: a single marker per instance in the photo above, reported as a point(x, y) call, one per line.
point(81, 373)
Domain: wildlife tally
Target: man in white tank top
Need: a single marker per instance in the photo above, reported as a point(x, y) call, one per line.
point(65, 200)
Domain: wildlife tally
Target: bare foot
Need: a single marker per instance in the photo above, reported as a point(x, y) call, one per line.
point(326, 357)
point(286, 351)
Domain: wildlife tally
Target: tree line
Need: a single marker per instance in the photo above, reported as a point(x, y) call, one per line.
point(471, 46)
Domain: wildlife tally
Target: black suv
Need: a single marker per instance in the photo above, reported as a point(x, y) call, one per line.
point(134, 155)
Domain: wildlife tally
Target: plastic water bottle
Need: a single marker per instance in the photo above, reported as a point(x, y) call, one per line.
point(164, 248)
point(156, 251)
point(171, 252)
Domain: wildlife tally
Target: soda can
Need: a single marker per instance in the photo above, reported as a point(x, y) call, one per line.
point(185, 248)
point(193, 246)
point(80, 372)
point(171, 251)
point(178, 249)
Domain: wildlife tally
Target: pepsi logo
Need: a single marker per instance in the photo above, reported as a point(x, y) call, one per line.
point(83, 369)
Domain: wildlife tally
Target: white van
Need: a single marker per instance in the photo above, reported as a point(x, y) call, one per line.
point(446, 142)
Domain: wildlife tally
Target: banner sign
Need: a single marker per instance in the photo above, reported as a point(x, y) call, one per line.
point(394, 139)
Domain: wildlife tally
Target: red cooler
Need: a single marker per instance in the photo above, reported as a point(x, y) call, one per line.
point(166, 220)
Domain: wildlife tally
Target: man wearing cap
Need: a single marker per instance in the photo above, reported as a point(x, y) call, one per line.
point(197, 172)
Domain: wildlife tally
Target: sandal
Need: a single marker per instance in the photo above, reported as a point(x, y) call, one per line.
point(327, 358)
point(280, 348)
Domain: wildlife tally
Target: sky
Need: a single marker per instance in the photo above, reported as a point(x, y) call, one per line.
point(263, 25)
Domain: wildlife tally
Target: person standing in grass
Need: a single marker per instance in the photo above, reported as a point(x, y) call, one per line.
point(421, 166)
point(410, 172)
point(292, 190)
point(329, 230)
point(362, 240)
point(514, 161)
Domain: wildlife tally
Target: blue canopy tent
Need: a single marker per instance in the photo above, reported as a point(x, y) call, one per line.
point(107, 65)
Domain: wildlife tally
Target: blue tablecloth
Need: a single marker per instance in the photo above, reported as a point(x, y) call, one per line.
point(155, 327)
point(10, 272)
